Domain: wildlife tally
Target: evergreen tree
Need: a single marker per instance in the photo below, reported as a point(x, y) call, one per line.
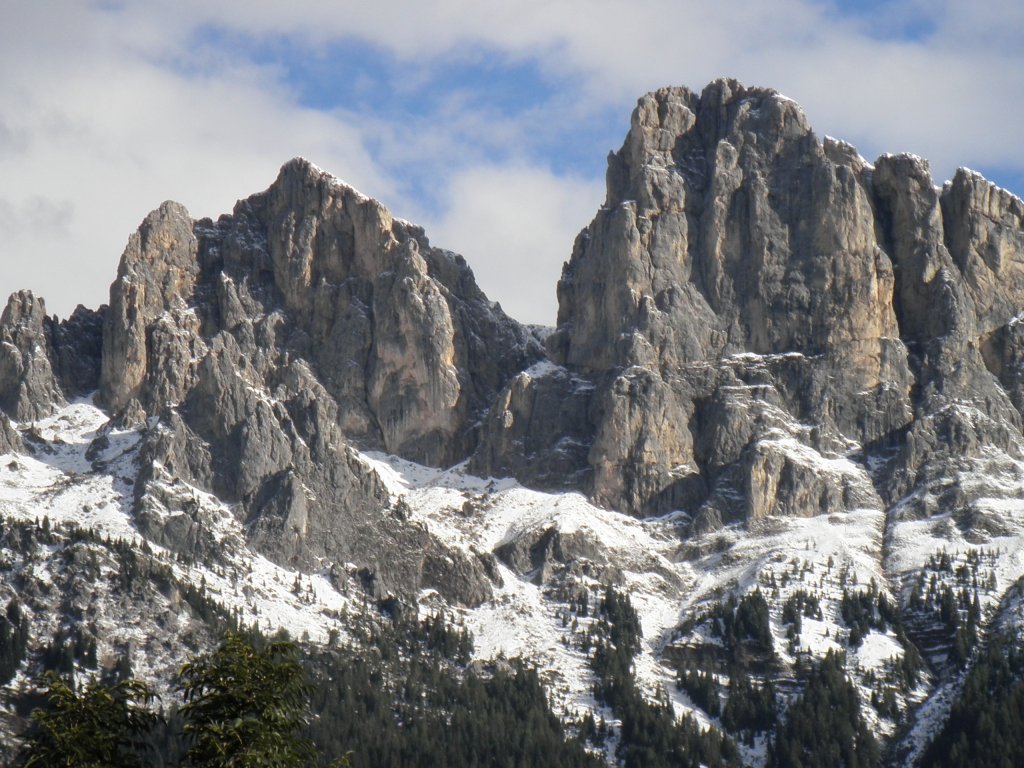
point(245, 706)
point(650, 734)
point(100, 727)
point(750, 708)
point(986, 724)
point(824, 728)
point(405, 697)
point(13, 640)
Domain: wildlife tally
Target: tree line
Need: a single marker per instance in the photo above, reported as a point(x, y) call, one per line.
point(244, 704)
point(403, 694)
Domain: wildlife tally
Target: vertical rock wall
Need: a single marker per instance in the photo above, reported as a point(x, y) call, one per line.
point(746, 280)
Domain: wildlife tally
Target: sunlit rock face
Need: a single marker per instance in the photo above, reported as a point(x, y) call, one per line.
point(750, 305)
point(747, 281)
point(781, 378)
point(263, 345)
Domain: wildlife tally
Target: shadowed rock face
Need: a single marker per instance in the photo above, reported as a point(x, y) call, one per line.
point(45, 362)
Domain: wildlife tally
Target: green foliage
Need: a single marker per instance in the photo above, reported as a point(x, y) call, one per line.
point(944, 600)
point(703, 688)
point(13, 640)
point(884, 702)
point(436, 633)
point(824, 727)
point(100, 727)
point(907, 669)
point(985, 728)
point(403, 697)
point(743, 624)
point(621, 622)
point(651, 736)
point(863, 611)
point(798, 605)
point(245, 706)
point(750, 708)
point(66, 648)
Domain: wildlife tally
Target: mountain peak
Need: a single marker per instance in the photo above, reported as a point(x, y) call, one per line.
point(300, 172)
point(777, 372)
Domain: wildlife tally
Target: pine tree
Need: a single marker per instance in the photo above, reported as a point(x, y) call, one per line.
point(245, 706)
point(101, 726)
point(824, 728)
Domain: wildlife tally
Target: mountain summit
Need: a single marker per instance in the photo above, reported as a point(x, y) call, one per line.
point(781, 376)
point(745, 278)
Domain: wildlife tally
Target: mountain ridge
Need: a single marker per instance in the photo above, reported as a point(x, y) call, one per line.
point(762, 342)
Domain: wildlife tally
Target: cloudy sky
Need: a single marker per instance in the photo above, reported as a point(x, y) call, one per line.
point(488, 123)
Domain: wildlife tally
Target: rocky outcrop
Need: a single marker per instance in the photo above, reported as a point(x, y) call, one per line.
point(961, 410)
point(268, 341)
point(10, 440)
point(731, 239)
point(539, 429)
point(729, 227)
point(44, 362)
point(77, 345)
point(984, 231)
point(746, 279)
point(396, 330)
point(983, 228)
point(28, 387)
point(1003, 352)
point(544, 553)
point(156, 275)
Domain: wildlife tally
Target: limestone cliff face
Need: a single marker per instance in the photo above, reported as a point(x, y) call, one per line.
point(407, 343)
point(729, 230)
point(156, 277)
point(28, 387)
point(269, 341)
point(732, 228)
point(45, 362)
point(984, 231)
point(757, 322)
point(748, 286)
point(396, 330)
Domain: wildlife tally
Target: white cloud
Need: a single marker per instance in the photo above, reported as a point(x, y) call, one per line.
point(956, 97)
point(517, 225)
point(106, 109)
point(114, 134)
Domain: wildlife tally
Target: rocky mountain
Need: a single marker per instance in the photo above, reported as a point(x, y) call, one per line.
point(780, 376)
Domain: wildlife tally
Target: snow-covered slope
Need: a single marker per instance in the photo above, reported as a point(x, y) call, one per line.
point(76, 487)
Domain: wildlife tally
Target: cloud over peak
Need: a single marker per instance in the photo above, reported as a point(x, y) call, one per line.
point(489, 125)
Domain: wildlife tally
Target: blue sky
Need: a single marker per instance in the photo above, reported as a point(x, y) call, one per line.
point(366, 81)
point(488, 123)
